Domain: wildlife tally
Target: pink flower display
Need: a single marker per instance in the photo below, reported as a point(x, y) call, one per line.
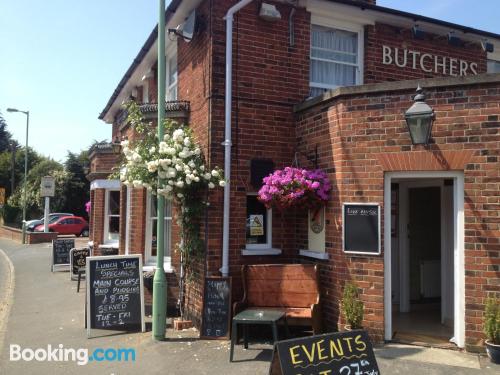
point(295, 187)
point(87, 207)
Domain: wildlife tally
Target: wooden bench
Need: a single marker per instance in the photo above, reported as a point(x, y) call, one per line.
point(292, 288)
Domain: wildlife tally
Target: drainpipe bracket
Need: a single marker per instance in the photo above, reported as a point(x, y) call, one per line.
point(227, 142)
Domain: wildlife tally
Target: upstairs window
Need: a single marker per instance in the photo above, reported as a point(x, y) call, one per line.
point(493, 66)
point(171, 90)
point(336, 58)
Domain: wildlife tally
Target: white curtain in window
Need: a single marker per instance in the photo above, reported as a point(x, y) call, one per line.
point(334, 58)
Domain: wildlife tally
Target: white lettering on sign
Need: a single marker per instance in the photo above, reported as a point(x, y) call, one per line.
point(426, 62)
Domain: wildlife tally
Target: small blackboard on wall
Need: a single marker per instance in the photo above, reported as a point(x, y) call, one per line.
point(216, 308)
point(78, 261)
point(343, 353)
point(115, 293)
point(361, 228)
point(60, 254)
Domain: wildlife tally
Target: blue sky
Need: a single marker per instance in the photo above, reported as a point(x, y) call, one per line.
point(62, 59)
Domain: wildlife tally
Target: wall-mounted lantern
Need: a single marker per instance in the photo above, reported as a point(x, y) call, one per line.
point(419, 119)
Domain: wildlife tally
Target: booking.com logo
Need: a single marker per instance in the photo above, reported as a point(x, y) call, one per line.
point(80, 356)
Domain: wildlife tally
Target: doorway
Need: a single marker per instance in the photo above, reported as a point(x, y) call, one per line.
point(422, 258)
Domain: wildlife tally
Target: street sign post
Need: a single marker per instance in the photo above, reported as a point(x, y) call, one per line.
point(47, 190)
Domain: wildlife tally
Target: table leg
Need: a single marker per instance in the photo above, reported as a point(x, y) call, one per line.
point(245, 336)
point(275, 332)
point(234, 336)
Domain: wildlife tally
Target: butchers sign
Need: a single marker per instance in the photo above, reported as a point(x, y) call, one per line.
point(429, 63)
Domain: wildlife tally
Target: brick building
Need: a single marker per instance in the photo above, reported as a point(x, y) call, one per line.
point(326, 83)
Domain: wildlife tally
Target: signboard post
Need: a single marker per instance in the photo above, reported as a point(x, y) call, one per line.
point(114, 293)
point(78, 261)
point(342, 353)
point(47, 190)
point(361, 228)
point(216, 308)
point(60, 254)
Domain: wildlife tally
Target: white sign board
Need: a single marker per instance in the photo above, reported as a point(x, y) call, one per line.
point(48, 186)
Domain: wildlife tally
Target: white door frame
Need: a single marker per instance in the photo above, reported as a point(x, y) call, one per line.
point(458, 234)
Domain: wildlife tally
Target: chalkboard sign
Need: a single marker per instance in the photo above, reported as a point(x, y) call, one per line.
point(60, 254)
point(343, 353)
point(115, 293)
point(78, 261)
point(216, 308)
point(361, 232)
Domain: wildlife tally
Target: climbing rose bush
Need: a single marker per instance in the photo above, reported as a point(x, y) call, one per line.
point(295, 187)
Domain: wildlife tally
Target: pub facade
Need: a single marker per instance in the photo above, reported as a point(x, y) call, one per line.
point(325, 85)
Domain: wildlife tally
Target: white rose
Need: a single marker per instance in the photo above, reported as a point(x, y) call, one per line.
point(152, 150)
point(207, 176)
point(192, 164)
point(179, 184)
point(179, 167)
point(215, 173)
point(168, 188)
point(222, 183)
point(197, 151)
point(202, 168)
point(196, 179)
point(171, 172)
point(187, 142)
point(180, 195)
point(211, 185)
point(170, 182)
point(166, 137)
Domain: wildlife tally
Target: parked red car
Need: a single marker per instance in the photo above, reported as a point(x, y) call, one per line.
point(68, 225)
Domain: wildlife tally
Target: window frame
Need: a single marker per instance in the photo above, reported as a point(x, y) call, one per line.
point(170, 53)
point(107, 241)
point(150, 260)
point(269, 229)
point(343, 26)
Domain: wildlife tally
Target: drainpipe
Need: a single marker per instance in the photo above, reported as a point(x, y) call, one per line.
point(227, 133)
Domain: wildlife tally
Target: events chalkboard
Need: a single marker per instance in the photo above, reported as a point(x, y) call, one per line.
point(115, 293)
point(78, 261)
point(60, 253)
point(343, 353)
point(361, 232)
point(216, 308)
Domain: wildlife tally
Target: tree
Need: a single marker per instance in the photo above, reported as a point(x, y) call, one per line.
point(5, 136)
point(76, 190)
point(35, 203)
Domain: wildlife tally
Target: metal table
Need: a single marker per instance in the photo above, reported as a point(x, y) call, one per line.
point(255, 316)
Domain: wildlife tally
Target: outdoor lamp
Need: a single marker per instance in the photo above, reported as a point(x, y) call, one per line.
point(419, 118)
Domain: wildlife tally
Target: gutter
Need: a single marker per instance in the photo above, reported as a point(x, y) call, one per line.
point(416, 17)
point(171, 9)
point(227, 132)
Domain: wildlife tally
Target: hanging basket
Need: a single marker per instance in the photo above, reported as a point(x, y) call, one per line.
point(295, 188)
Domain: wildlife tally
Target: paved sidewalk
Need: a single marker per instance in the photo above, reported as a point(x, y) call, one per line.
point(47, 310)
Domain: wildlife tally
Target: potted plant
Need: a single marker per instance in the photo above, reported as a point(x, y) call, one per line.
point(492, 329)
point(352, 307)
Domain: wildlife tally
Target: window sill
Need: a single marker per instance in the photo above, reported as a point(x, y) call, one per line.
point(167, 267)
point(111, 245)
point(314, 254)
point(270, 251)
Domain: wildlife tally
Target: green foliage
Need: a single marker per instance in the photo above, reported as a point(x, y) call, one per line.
point(12, 216)
point(172, 167)
point(492, 320)
point(5, 136)
point(77, 187)
point(352, 306)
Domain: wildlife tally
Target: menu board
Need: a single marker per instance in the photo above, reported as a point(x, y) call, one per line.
point(216, 308)
point(342, 353)
point(60, 253)
point(361, 228)
point(78, 260)
point(115, 293)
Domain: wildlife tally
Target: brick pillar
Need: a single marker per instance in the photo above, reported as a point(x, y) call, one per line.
point(137, 207)
point(91, 214)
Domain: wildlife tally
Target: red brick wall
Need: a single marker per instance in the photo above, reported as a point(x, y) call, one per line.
point(379, 35)
point(103, 162)
point(362, 136)
point(97, 202)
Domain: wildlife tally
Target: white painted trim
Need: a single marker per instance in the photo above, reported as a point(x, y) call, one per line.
point(314, 254)
point(106, 242)
point(459, 266)
point(269, 251)
point(127, 220)
point(105, 184)
point(167, 267)
point(364, 253)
